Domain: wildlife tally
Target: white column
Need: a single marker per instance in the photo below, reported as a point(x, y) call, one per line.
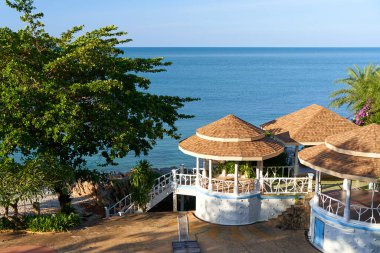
point(260, 165)
point(316, 197)
point(296, 165)
point(348, 199)
point(345, 182)
point(236, 186)
point(210, 175)
point(197, 173)
point(204, 168)
point(310, 182)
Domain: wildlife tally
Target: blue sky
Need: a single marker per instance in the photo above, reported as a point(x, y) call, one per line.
point(155, 23)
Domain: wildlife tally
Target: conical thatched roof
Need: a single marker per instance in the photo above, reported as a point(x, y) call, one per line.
point(352, 155)
point(308, 126)
point(232, 139)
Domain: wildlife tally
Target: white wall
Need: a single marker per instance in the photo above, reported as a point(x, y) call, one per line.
point(345, 237)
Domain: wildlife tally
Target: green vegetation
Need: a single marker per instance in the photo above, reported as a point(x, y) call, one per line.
point(142, 180)
point(68, 97)
point(362, 94)
point(41, 223)
point(245, 168)
point(52, 223)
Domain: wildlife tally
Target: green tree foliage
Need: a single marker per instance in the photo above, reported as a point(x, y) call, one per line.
point(142, 180)
point(77, 95)
point(19, 183)
point(362, 94)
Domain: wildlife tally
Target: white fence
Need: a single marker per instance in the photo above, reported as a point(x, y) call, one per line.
point(365, 214)
point(285, 185)
point(357, 212)
point(331, 205)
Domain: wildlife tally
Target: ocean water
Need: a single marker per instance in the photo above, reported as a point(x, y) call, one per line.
point(255, 84)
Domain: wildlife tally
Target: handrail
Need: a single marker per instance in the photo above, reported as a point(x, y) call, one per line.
point(366, 214)
point(331, 204)
point(285, 185)
point(358, 213)
point(121, 204)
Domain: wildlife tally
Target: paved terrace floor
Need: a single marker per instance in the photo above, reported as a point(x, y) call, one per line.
point(154, 232)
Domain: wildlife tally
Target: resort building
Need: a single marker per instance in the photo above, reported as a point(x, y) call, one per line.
point(346, 218)
point(308, 126)
point(235, 199)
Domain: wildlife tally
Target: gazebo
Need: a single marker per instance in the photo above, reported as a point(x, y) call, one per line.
point(309, 126)
point(223, 199)
point(346, 220)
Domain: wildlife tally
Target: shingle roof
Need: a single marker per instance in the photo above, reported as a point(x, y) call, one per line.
point(308, 126)
point(353, 155)
point(231, 127)
point(231, 138)
point(364, 140)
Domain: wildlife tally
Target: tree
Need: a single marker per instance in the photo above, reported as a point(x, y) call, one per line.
point(142, 180)
point(19, 183)
point(362, 96)
point(77, 95)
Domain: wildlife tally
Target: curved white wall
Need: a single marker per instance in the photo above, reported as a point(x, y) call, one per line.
point(239, 210)
point(342, 236)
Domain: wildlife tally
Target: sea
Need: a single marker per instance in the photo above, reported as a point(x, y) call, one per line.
point(255, 84)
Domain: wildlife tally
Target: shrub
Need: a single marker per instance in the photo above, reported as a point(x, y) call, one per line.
point(52, 223)
point(7, 223)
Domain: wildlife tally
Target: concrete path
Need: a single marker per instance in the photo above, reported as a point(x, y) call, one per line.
point(27, 249)
point(154, 232)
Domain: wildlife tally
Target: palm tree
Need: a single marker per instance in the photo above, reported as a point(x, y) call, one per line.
point(362, 94)
point(142, 180)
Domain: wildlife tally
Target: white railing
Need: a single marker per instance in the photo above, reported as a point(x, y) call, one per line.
point(331, 205)
point(185, 179)
point(365, 214)
point(161, 184)
point(285, 185)
point(203, 181)
point(278, 171)
point(357, 212)
point(120, 206)
point(222, 186)
point(248, 186)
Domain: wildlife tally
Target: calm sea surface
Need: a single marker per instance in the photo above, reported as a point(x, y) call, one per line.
point(256, 84)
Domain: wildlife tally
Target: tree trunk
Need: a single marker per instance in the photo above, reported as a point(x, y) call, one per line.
point(6, 214)
point(15, 209)
point(63, 198)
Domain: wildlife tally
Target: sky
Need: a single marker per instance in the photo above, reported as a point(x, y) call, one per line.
point(218, 23)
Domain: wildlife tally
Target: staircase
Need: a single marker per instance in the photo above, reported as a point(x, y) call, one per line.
point(295, 217)
point(161, 189)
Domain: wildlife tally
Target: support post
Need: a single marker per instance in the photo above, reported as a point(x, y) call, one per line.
point(296, 165)
point(316, 193)
point(210, 175)
point(345, 184)
point(257, 186)
point(106, 212)
point(182, 200)
point(236, 186)
point(348, 200)
point(310, 182)
point(260, 165)
point(197, 173)
point(204, 168)
point(174, 202)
